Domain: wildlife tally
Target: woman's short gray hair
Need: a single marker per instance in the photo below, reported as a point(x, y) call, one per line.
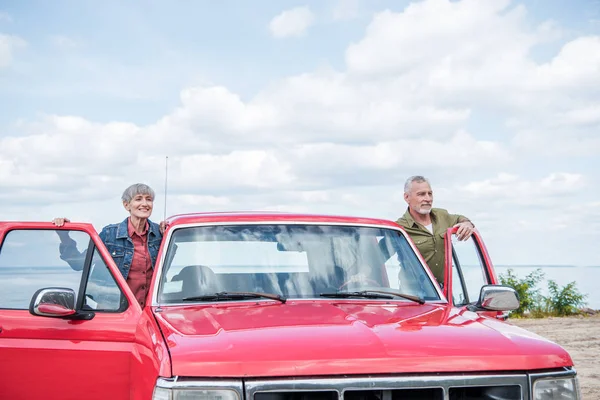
point(134, 190)
point(414, 178)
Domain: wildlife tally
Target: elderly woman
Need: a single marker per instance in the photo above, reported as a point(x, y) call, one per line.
point(133, 243)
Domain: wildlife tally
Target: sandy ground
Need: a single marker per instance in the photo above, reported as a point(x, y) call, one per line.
point(580, 336)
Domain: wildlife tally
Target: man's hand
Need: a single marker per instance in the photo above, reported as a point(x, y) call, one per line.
point(465, 230)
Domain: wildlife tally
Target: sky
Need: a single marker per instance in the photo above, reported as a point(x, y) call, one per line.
point(322, 106)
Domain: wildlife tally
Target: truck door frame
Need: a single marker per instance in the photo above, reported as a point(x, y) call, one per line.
point(74, 358)
point(488, 269)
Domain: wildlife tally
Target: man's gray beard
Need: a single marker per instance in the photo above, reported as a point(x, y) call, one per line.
point(424, 212)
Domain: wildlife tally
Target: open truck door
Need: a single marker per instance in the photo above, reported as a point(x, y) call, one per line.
point(68, 321)
point(471, 282)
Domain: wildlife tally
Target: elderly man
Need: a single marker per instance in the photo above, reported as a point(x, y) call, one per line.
point(427, 225)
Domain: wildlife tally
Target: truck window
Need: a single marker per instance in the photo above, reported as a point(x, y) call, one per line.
point(30, 260)
point(295, 261)
point(459, 294)
point(102, 292)
point(470, 270)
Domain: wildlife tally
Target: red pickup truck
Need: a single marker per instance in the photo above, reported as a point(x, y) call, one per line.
point(266, 306)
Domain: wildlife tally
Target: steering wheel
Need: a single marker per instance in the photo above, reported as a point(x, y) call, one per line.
point(361, 281)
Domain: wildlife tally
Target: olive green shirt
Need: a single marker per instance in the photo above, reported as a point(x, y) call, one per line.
point(431, 246)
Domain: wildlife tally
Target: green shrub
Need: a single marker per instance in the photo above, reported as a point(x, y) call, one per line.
point(566, 300)
point(529, 296)
point(559, 302)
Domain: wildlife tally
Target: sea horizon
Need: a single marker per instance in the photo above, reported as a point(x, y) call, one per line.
point(544, 266)
point(585, 278)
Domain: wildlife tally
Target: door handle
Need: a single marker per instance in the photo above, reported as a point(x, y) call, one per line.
point(503, 316)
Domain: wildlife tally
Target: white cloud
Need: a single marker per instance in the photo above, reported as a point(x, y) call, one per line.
point(587, 115)
point(319, 107)
point(363, 122)
point(64, 42)
point(577, 65)
point(412, 98)
point(8, 44)
point(231, 172)
point(346, 9)
point(293, 22)
point(480, 53)
point(439, 33)
point(538, 220)
point(512, 189)
point(342, 164)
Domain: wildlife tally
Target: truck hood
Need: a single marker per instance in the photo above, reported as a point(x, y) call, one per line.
point(302, 338)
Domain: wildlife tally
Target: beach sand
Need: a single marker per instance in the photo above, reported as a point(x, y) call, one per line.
point(580, 336)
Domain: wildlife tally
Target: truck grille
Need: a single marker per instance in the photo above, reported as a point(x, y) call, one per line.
point(436, 387)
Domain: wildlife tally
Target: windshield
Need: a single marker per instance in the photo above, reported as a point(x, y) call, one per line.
point(292, 261)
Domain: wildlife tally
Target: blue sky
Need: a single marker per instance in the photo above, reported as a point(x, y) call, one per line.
point(128, 60)
point(319, 106)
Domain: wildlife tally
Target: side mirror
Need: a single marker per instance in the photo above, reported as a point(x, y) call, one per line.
point(57, 303)
point(496, 298)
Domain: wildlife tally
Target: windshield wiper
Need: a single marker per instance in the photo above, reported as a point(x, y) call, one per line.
point(367, 294)
point(223, 296)
point(374, 294)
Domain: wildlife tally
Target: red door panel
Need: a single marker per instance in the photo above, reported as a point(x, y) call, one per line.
point(54, 358)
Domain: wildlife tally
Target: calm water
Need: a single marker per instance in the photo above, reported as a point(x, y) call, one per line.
point(20, 289)
point(586, 278)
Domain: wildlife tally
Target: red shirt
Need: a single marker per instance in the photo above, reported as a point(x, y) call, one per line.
point(140, 273)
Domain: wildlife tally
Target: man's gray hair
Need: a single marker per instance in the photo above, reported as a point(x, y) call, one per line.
point(414, 178)
point(134, 190)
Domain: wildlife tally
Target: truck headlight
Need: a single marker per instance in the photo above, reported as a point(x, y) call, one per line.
point(167, 389)
point(194, 394)
point(556, 389)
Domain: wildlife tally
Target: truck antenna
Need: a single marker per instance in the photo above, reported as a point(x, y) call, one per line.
point(166, 175)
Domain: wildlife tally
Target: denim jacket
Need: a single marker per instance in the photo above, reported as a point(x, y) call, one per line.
point(118, 243)
point(120, 246)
